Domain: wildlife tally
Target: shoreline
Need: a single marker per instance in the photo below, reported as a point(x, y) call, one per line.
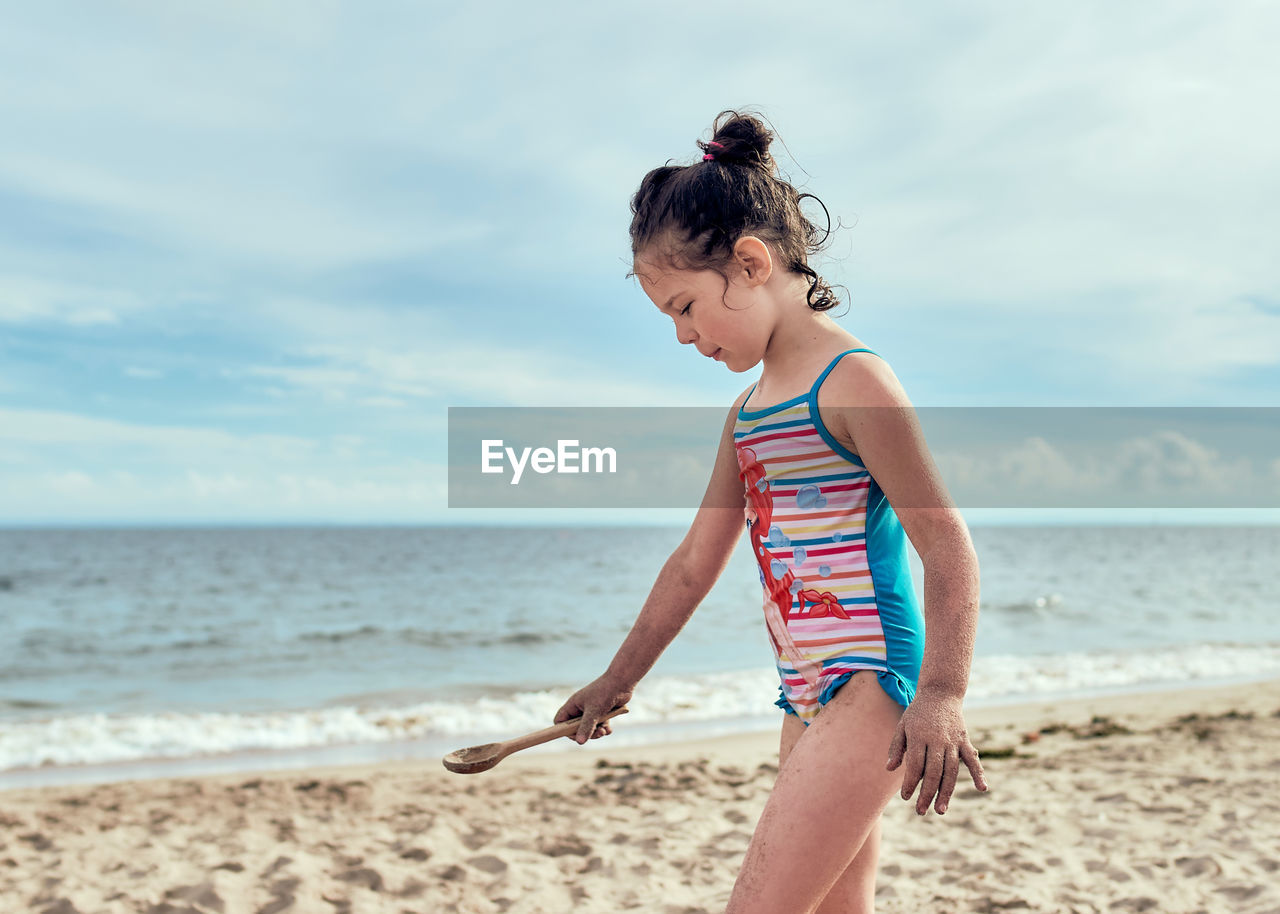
point(1155, 801)
point(671, 737)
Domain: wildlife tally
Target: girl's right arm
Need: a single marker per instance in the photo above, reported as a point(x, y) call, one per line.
point(684, 581)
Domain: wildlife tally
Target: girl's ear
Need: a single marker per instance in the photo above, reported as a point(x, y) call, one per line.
point(754, 258)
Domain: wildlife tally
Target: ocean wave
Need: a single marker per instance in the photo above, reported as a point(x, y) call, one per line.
point(1013, 676)
point(52, 642)
point(56, 740)
point(27, 704)
point(347, 634)
point(436, 638)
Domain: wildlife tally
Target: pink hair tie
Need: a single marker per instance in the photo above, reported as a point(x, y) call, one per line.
point(709, 156)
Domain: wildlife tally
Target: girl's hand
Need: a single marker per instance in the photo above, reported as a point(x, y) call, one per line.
point(932, 738)
point(593, 702)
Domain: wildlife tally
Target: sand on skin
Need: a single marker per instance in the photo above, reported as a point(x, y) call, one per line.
point(1120, 804)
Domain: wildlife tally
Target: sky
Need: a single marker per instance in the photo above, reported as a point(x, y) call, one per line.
point(250, 254)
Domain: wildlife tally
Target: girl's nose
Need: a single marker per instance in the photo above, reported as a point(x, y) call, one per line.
point(685, 334)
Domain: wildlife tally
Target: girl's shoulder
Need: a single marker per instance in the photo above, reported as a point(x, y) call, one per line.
point(862, 378)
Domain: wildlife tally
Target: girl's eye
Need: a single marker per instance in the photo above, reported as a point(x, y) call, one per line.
point(686, 308)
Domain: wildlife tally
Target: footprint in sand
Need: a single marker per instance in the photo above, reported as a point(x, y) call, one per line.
point(277, 904)
point(478, 839)
point(369, 878)
point(340, 905)
point(61, 906)
point(279, 863)
point(1198, 866)
point(37, 841)
point(413, 888)
point(489, 864)
point(565, 845)
point(202, 894)
point(1240, 892)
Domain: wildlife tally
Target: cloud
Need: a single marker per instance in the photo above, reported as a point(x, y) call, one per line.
point(1056, 158)
point(1164, 468)
point(71, 483)
point(1171, 462)
point(405, 494)
point(331, 384)
point(64, 466)
point(245, 217)
point(492, 374)
point(1186, 343)
point(70, 431)
point(227, 137)
point(427, 354)
point(275, 210)
point(28, 299)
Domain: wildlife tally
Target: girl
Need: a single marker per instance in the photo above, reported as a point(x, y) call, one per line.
point(814, 453)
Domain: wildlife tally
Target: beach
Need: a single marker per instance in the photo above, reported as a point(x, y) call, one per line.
point(1160, 801)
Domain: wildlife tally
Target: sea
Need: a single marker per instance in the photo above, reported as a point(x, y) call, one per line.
point(129, 653)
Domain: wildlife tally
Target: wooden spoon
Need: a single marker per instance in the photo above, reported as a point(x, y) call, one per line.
point(482, 758)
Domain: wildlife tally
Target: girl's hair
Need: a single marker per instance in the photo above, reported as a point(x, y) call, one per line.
point(692, 215)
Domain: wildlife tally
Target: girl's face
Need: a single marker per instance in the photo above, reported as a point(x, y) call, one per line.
point(729, 325)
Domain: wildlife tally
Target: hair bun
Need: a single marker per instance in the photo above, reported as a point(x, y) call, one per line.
point(690, 217)
point(739, 139)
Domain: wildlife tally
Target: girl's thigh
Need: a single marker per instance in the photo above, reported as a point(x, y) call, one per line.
point(792, 730)
point(831, 789)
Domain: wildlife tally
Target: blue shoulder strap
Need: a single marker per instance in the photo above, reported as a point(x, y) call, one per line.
point(822, 377)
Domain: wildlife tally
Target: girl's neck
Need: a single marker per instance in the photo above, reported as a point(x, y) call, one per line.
point(796, 344)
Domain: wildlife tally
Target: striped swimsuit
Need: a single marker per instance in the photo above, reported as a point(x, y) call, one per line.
point(838, 595)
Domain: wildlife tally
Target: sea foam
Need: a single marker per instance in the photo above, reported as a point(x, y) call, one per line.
point(662, 705)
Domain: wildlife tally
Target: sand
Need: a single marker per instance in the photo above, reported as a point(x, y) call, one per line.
point(1163, 802)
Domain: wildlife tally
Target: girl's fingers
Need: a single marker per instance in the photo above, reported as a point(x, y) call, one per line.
point(914, 767)
point(568, 712)
point(602, 729)
point(587, 727)
point(950, 771)
point(935, 757)
point(897, 747)
point(969, 755)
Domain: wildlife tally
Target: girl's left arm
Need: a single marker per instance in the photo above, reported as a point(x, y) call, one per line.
point(871, 410)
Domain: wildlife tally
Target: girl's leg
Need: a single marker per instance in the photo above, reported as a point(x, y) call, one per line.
point(854, 892)
point(825, 806)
